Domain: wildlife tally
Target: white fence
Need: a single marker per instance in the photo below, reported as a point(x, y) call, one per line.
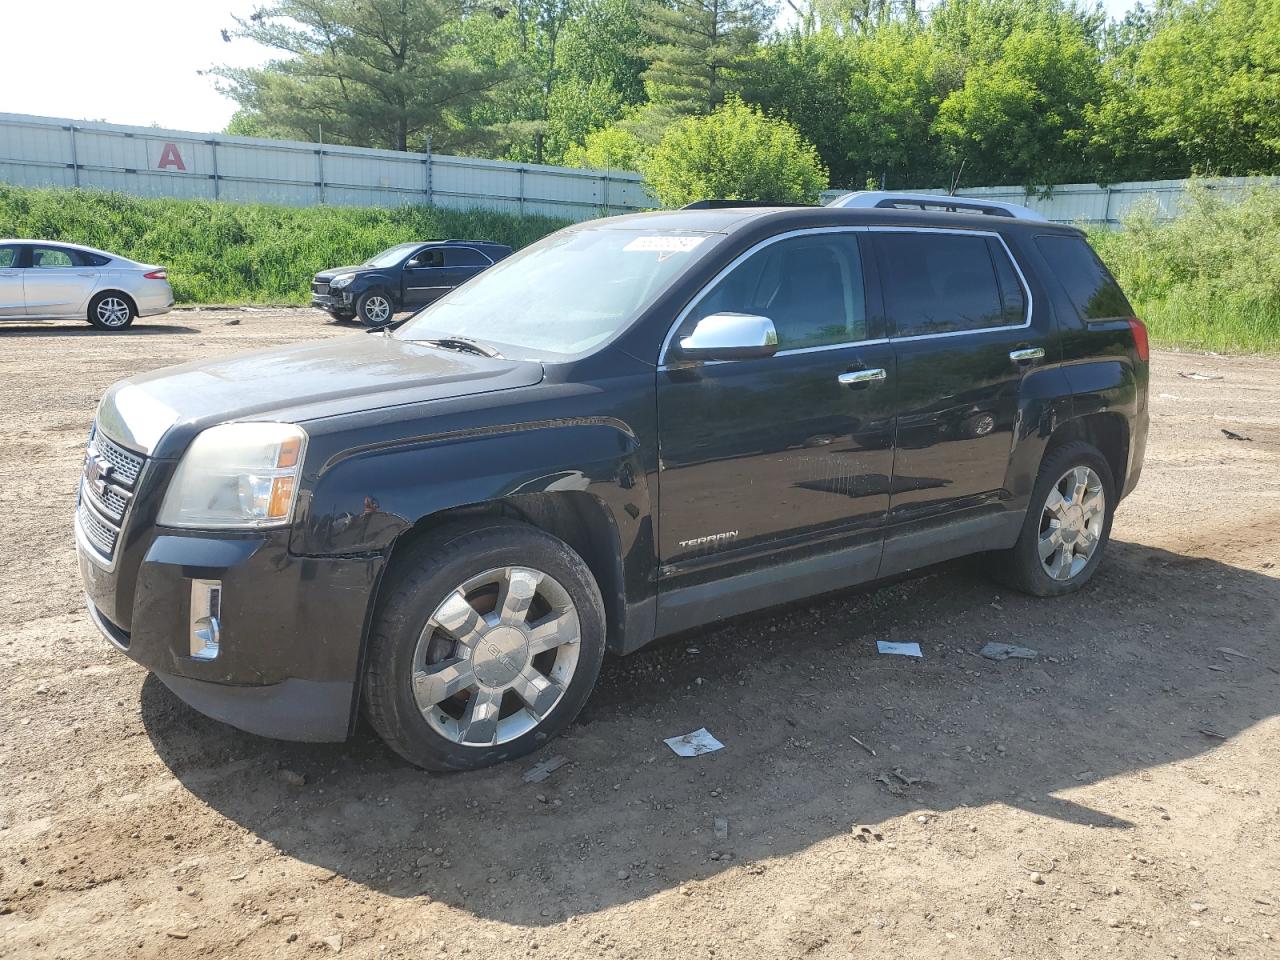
point(1089, 203)
point(150, 162)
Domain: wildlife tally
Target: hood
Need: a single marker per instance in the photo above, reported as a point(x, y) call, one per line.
point(324, 276)
point(159, 412)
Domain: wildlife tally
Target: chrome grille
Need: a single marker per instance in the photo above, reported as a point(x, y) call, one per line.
point(102, 535)
point(318, 287)
point(127, 464)
point(110, 475)
point(109, 499)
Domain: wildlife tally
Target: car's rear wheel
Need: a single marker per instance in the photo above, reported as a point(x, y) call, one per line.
point(1068, 523)
point(111, 311)
point(486, 643)
point(374, 308)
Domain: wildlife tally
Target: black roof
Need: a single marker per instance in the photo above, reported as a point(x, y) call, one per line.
point(726, 219)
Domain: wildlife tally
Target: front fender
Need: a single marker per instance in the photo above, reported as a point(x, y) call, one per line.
point(362, 284)
point(362, 501)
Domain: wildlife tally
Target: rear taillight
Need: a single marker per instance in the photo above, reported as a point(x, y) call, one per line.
point(1140, 339)
point(161, 274)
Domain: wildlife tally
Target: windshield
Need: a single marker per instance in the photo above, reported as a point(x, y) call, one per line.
point(564, 295)
point(391, 256)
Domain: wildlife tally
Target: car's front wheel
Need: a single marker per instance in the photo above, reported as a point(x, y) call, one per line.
point(374, 308)
point(111, 311)
point(1068, 523)
point(487, 641)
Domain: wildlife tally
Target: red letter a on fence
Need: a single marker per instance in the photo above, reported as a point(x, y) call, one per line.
point(170, 157)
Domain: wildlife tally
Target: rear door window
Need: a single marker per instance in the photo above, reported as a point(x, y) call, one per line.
point(464, 257)
point(948, 283)
point(1089, 285)
point(8, 257)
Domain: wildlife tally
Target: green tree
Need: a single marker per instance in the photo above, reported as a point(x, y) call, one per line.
point(735, 153)
point(602, 45)
point(698, 47)
point(609, 148)
point(805, 78)
point(901, 76)
point(573, 67)
point(1023, 116)
point(378, 73)
point(1209, 80)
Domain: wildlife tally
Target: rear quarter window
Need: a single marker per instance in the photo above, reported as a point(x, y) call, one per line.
point(1088, 284)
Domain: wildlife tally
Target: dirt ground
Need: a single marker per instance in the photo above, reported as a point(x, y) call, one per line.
point(1117, 796)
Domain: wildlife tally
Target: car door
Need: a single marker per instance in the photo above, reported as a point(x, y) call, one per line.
point(12, 301)
point(781, 459)
point(57, 282)
point(960, 321)
point(423, 278)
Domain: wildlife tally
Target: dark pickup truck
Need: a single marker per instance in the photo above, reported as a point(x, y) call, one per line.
point(634, 427)
point(407, 276)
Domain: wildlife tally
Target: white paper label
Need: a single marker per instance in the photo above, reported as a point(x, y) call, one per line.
point(663, 244)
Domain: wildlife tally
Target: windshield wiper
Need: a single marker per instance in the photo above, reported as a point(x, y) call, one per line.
point(465, 345)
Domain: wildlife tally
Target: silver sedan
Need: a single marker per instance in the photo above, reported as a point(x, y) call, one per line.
point(64, 281)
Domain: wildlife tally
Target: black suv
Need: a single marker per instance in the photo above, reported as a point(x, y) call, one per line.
point(634, 427)
point(404, 277)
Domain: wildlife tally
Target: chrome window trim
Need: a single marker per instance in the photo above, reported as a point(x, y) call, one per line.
point(729, 268)
point(1029, 309)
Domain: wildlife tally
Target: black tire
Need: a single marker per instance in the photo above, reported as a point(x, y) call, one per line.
point(1021, 566)
point(375, 308)
point(418, 583)
point(111, 310)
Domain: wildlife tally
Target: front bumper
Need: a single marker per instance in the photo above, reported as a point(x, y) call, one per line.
point(288, 657)
point(333, 302)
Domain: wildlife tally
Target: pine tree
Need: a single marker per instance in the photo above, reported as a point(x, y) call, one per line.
point(698, 46)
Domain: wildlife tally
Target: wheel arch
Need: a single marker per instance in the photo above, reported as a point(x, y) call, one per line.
point(581, 482)
point(579, 519)
point(1109, 432)
point(112, 291)
point(380, 285)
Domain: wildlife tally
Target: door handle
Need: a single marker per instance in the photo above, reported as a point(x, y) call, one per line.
point(860, 378)
point(82, 274)
point(1026, 353)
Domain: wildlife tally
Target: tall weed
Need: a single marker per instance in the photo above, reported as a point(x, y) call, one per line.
point(243, 253)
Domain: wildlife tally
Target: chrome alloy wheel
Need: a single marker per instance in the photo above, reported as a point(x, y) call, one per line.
point(377, 310)
point(496, 656)
point(1071, 524)
point(112, 312)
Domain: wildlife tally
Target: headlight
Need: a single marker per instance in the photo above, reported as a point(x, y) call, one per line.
point(237, 475)
point(341, 281)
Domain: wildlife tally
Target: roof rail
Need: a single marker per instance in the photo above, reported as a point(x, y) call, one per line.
point(882, 199)
point(723, 204)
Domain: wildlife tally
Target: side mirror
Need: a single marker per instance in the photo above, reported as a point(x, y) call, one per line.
point(730, 336)
point(412, 263)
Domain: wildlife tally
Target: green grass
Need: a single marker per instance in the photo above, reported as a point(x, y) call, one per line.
point(243, 253)
point(1208, 280)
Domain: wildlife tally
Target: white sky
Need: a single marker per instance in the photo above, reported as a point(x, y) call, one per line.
point(134, 61)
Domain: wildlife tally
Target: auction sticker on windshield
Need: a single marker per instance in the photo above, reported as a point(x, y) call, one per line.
point(663, 244)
